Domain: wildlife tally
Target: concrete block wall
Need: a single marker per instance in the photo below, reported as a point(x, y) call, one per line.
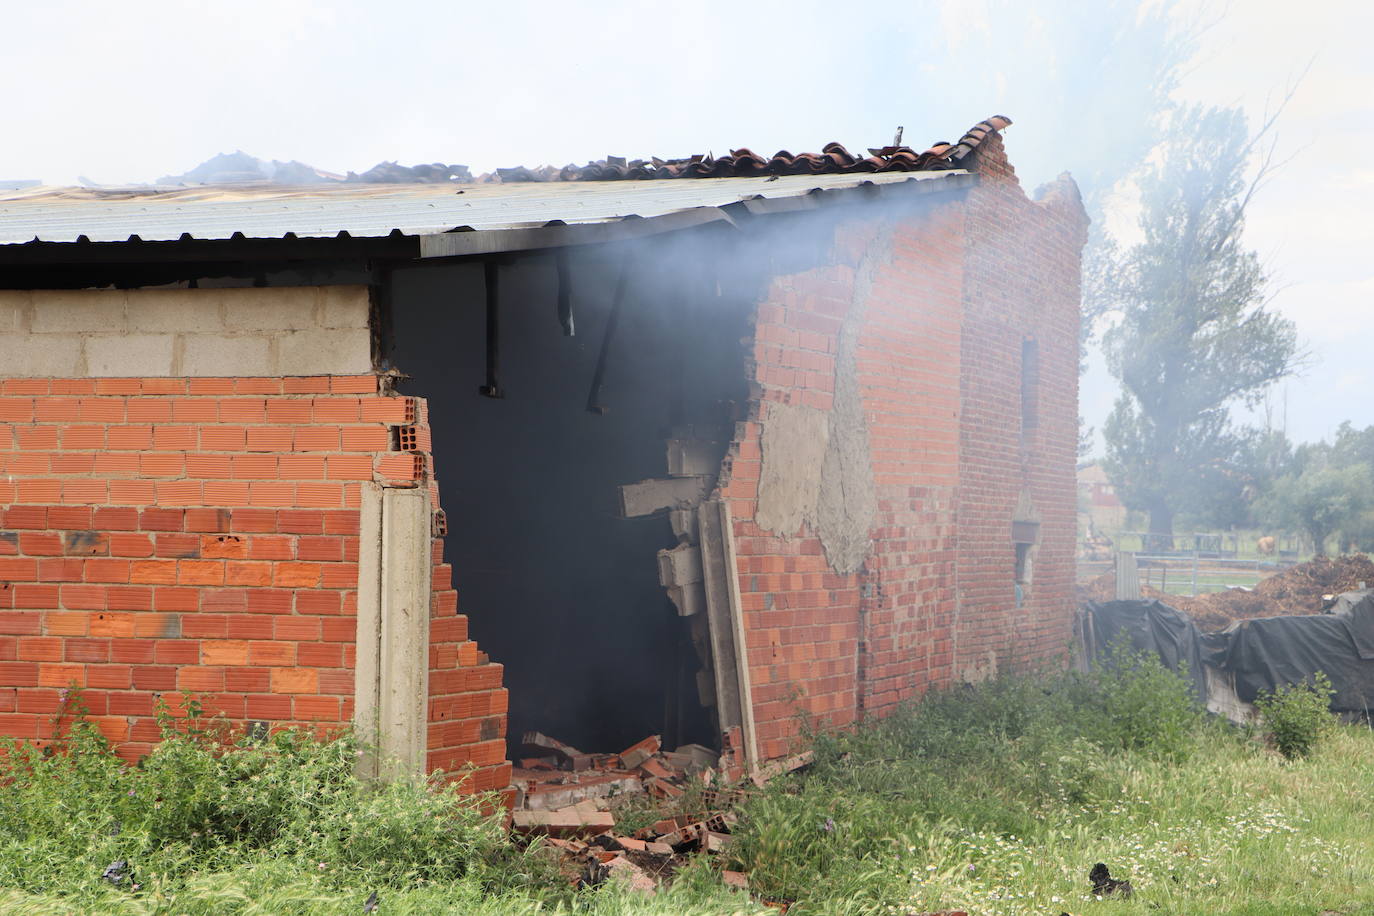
point(279, 331)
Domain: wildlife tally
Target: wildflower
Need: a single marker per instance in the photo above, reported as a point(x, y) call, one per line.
point(829, 825)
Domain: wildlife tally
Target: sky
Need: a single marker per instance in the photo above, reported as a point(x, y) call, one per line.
point(130, 91)
point(1311, 223)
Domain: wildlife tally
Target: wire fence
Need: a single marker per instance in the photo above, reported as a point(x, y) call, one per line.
point(1191, 573)
point(1218, 545)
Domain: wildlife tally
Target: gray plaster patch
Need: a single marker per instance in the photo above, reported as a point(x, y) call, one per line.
point(817, 468)
point(848, 498)
point(1025, 508)
point(794, 442)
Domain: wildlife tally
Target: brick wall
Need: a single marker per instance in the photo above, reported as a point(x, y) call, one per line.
point(938, 361)
point(468, 705)
point(910, 366)
point(831, 646)
point(1022, 282)
point(160, 534)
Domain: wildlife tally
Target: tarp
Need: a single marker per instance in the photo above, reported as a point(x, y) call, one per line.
point(1267, 652)
point(1261, 653)
point(1150, 626)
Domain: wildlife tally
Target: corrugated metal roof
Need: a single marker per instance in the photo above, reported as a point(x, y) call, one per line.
point(208, 213)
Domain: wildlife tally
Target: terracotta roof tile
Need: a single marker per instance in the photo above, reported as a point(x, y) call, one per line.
point(742, 163)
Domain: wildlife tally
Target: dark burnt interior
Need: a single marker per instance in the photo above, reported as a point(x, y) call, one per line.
point(557, 585)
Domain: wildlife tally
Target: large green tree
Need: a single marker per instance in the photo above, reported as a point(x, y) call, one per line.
point(1194, 338)
point(1321, 501)
point(1327, 489)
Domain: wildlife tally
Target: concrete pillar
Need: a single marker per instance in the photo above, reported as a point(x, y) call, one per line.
point(392, 680)
point(367, 670)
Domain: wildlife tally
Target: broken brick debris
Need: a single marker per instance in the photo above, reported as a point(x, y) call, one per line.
point(539, 744)
point(623, 871)
point(785, 765)
point(637, 754)
point(716, 841)
point(595, 784)
point(653, 768)
point(565, 796)
point(662, 788)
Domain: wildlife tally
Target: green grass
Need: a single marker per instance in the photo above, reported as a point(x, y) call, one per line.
point(999, 800)
point(996, 799)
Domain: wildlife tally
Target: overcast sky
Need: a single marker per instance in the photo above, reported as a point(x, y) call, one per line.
point(129, 91)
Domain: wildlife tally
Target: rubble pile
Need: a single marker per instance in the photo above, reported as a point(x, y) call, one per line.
point(568, 797)
point(1308, 588)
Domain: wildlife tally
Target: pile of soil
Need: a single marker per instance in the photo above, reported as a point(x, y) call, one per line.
point(1295, 591)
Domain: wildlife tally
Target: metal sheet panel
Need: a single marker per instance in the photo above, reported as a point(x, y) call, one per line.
point(70, 215)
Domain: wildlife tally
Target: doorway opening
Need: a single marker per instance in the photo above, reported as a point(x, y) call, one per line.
point(554, 488)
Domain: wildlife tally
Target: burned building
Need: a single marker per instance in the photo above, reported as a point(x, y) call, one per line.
point(666, 447)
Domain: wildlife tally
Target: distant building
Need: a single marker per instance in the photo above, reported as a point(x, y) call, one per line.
point(1097, 500)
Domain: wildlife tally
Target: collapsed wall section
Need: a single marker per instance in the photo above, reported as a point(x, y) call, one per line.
point(200, 531)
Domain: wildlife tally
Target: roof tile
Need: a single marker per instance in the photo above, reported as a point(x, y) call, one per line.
point(745, 163)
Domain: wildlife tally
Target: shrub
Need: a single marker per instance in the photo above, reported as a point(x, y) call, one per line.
point(1141, 704)
point(205, 799)
point(1298, 716)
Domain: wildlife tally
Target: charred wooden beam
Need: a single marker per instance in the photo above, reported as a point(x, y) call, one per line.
point(565, 313)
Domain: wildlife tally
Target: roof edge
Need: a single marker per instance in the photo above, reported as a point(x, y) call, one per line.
point(500, 241)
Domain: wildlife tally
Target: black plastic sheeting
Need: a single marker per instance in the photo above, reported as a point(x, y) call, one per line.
point(1260, 654)
point(1150, 627)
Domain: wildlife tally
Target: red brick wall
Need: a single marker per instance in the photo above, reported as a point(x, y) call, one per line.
point(938, 363)
point(467, 704)
point(836, 646)
point(801, 619)
point(202, 534)
point(1022, 281)
point(909, 363)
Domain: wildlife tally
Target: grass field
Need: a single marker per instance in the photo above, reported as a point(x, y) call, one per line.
point(996, 799)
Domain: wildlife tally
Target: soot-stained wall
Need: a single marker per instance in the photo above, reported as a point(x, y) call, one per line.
point(558, 587)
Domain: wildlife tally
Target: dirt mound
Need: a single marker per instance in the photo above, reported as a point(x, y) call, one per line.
point(1294, 591)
